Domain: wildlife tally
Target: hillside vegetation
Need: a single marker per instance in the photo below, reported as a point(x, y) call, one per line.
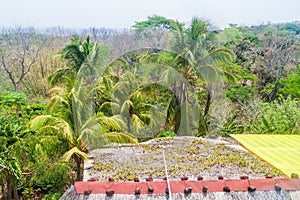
point(64, 93)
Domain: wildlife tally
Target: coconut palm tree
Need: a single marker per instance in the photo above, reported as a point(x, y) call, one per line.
point(196, 58)
point(131, 101)
point(76, 54)
point(180, 79)
point(196, 45)
point(82, 129)
point(72, 108)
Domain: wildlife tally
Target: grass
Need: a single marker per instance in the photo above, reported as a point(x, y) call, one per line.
point(280, 151)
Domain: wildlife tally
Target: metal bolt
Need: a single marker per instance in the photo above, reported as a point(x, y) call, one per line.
point(226, 189)
point(188, 190)
point(205, 189)
point(137, 191)
point(251, 188)
point(110, 192)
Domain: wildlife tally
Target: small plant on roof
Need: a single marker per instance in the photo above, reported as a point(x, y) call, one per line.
point(166, 134)
point(197, 142)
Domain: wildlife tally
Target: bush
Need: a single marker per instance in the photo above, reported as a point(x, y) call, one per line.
point(166, 134)
point(278, 117)
point(242, 93)
point(232, 127)
point(54, 196)
point(49, 179)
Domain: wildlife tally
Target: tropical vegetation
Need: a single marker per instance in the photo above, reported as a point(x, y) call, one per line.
point(64, 94)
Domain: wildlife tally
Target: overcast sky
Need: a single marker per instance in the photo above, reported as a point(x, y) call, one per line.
point(123, 13)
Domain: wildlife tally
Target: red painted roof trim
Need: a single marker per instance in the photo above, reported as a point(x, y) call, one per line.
point(179, 186)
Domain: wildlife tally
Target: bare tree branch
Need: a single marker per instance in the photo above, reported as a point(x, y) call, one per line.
point(19, 52)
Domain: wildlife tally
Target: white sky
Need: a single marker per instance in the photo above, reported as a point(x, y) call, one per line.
point(123, 13)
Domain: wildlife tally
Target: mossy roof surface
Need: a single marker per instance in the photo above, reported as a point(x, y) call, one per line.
point(184, 156)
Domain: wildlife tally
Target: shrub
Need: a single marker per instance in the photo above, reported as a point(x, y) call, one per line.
point(166, 134)
point(54, 196)
point(278, 117)
point(242, 93)
point(232, 127)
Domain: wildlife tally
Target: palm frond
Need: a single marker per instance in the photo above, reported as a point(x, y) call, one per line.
point(112, 105)
point(209, 72)
point(74, 55)
point(169, 77)
point(51, 123)
point(120, 137)
point(60, 75)
point(220, 55)
point(74, 151)
point(58, 102)
point(230, 76)
point(137, 122)
point(42, 120)
point(126, 106)
point(114, 123)
point(89, 128)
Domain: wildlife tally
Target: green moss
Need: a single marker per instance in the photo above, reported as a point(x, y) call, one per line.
point(121, 175)
point(164, 139)
point(191, 150)
point(103, 167)
point(197, 142)
point(187, 157)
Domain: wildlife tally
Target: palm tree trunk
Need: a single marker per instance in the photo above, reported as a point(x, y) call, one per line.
point(177, 115)
point(208, 103)
point(202, 129)
point(168, 118)
point(177, 118)
point(78, 161)
point(128, 119)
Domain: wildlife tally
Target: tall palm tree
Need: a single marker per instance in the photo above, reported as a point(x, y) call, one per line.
point(181, 80)
point(72, 108)
point(196, 45)
point(196, 58)
point(74, 54)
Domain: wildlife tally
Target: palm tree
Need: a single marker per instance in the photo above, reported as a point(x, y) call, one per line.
point(81, 128)
point(72, 108)
point(130, 100)
point(195, 45)
point(196, 58)
point(75, 54)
